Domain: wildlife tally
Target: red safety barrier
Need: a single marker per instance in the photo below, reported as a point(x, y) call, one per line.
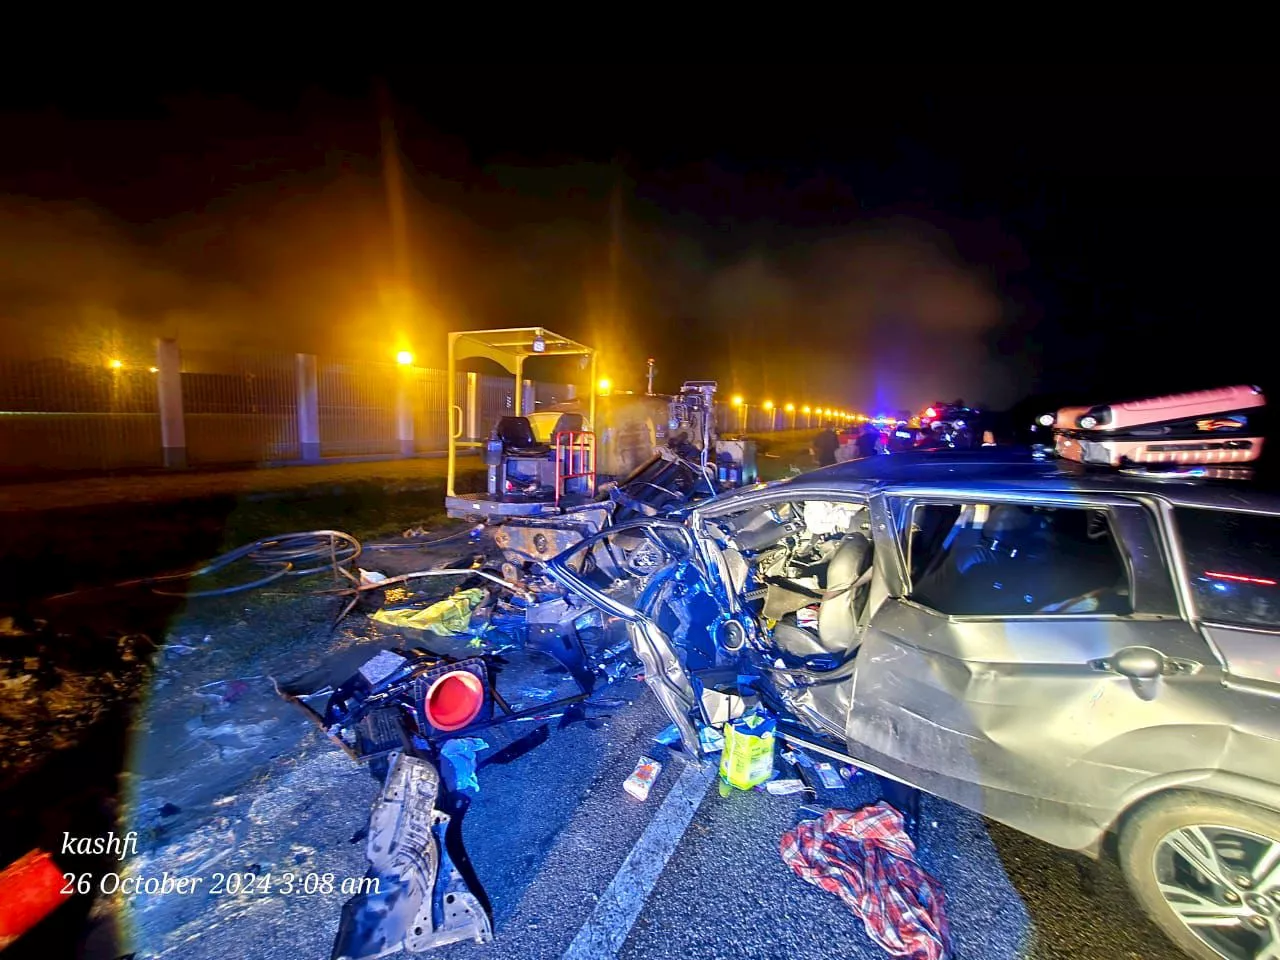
point(575, 458)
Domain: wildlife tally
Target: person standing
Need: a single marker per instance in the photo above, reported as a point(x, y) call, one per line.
point(824, 447)
point(870, 442)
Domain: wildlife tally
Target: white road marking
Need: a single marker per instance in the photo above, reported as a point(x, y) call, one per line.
point(605, 931)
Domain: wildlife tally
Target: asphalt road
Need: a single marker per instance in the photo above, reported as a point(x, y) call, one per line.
point(224, 776)
point(549, 833)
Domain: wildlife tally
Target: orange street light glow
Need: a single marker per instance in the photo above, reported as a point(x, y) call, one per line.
point(404, 358)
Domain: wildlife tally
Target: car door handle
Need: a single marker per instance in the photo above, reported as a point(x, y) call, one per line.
point(1136, 663)
point(1143, 666)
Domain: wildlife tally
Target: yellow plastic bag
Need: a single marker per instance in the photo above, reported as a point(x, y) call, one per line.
point(446, 618)
point(748, 751)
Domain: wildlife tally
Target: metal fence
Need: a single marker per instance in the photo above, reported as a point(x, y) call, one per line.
point(100, 410)
point(358, 407)
point(430, 408)
point(76, 413)
point(240, 407)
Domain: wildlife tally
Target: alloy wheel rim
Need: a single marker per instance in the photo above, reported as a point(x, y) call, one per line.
point(1223, 884)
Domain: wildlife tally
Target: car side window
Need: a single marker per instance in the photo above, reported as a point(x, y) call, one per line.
point(1015, 559)
point(1233, 565)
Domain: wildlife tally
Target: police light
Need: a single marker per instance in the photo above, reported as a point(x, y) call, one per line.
point(931, 413)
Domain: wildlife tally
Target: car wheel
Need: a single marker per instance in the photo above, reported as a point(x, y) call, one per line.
point(1207, 870)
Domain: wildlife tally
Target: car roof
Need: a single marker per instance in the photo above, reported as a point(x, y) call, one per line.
point(1021, 470)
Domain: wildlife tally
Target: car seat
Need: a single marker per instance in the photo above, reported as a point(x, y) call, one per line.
point(839, 613)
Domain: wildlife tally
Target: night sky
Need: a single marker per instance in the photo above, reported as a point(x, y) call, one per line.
point(878, 238)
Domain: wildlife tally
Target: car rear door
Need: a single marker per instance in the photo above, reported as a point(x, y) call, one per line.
point(1043, 719)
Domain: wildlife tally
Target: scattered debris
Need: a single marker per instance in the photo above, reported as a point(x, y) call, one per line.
point(414, 897)
point(642, 778)
point(445, 618)
point(670, 737)
point(782, 788)
point(866, 859)
point(829, 777)
point(747, 759)
point(460, 755)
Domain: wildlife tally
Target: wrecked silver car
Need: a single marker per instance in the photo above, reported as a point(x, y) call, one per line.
point(1080, 655)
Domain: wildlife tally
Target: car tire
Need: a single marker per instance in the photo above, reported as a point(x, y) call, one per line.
point(1158, 844)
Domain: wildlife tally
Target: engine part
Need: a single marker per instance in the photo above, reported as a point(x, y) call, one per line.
point(522, 541)
point(414, 898)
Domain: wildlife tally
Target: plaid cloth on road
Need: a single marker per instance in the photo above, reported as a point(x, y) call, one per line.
point(866, 859)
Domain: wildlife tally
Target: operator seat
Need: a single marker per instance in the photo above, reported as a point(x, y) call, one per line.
point(516, 434)
point(839, 613)
point(568, 423)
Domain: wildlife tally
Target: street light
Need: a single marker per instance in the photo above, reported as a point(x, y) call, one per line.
point(404, 358)
point(808, 416)
point(791, 409)
point(773, 417)
point(116, 364)
point(604, 386)
point(742, 406)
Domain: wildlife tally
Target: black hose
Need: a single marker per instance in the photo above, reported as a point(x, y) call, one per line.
point(290, 554)
point(287, 555)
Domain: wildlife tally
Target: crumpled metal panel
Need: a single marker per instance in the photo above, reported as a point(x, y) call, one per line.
point(417, 899)
point(1022, 721)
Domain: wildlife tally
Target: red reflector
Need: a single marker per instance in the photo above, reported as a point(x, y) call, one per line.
point(30, 889)
point(1237, 578)
point(454, 700)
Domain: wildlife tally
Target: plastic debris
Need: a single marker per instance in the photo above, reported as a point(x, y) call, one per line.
point(371, 576)
point(669, 737)
point(446, 618)
point(829, 777)
point(710, 739)
point(461, 757)
point(748, 752)
point(536, 693)
point(782, 788)
point(641, 779)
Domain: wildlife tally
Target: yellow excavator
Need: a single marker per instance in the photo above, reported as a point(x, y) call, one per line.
point(555, 475)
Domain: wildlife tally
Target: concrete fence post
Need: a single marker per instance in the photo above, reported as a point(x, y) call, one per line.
point(308, 407)
point(404, 410)
point(528, 400)
point(173, 428)
point(473, 406)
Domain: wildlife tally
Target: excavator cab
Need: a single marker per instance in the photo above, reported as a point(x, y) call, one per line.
point(526, 474)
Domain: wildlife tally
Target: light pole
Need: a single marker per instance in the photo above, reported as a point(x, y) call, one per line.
point(791, 409)
point(773, 417)
point(741, 406)
point(808, 416)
